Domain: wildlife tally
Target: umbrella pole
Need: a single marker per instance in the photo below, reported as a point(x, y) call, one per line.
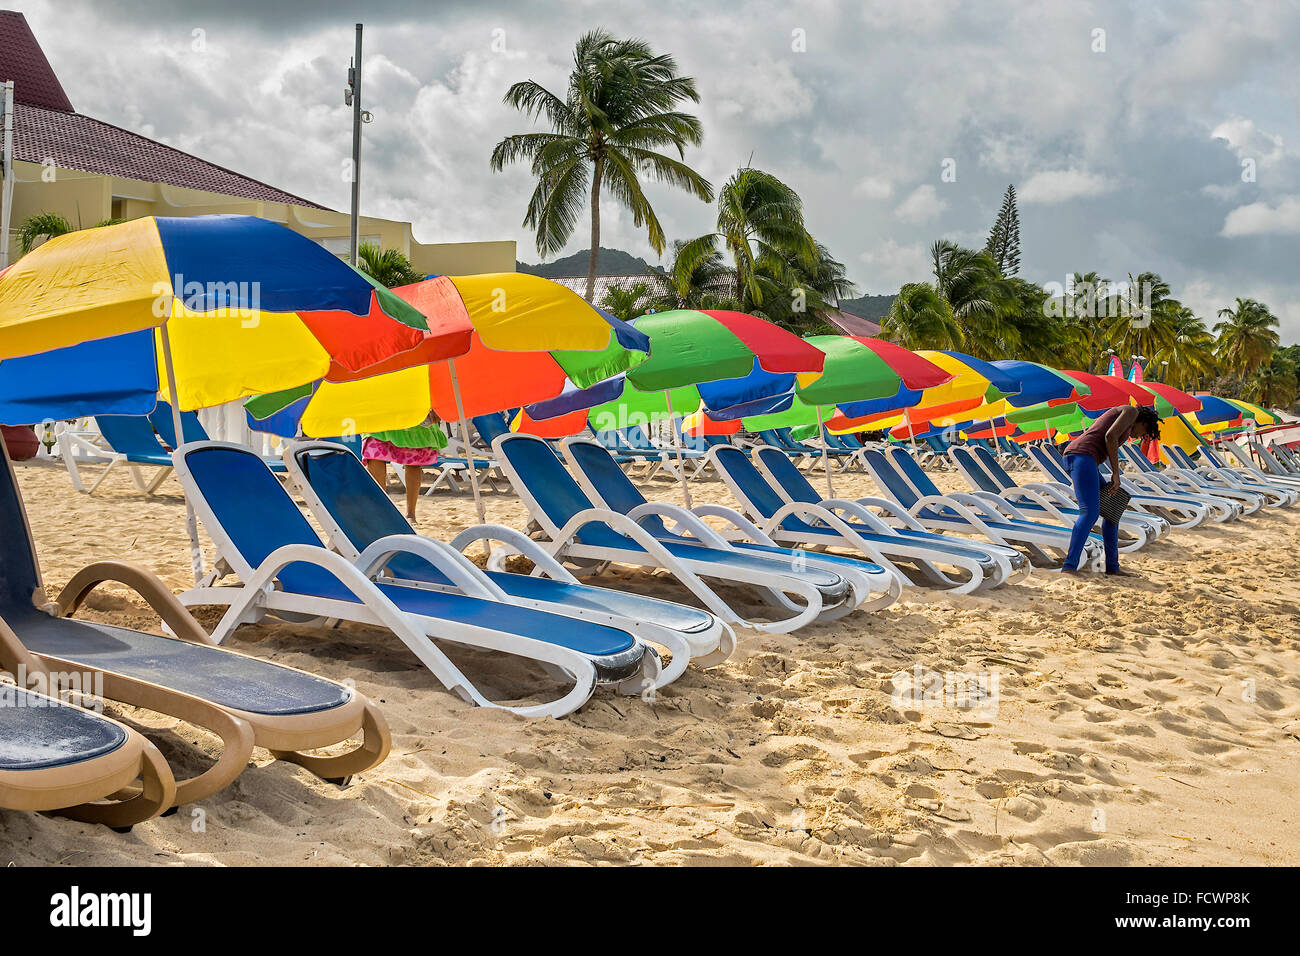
point(826, 452)
point(677, 443)
point(911, 432)
point(469, 450)
point(191, 524)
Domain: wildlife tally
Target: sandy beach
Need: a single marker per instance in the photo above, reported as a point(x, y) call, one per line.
point(1143, 721)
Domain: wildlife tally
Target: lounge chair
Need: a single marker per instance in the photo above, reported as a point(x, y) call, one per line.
point(778, 496)
point(986, 476)
point(244, 701)
point(284, 569)
point(591, 536)
point(606, 485)
point(192, 429)
point(899, 476)
point(1278, 493)
point(58, 758)
point(1273, 460)
point(133, 443)
point(355, 513)
point(1181, 511)
point(1180, 480)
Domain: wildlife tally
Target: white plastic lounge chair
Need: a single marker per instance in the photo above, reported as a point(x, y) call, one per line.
point(899, 476)
point(987, 477)
point(779, 497)
point(591, 536)
point(244, 701)
point(1215, 472)
point(355, 513)
point(284, 569)
point(604, 483)
point(1182, 511)
point(1272, 459)
point(1177, 479)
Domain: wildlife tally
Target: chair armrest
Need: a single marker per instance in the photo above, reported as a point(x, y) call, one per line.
point(687, 519)
point(144, 583)
point(521, 544)
point(751, 531)
point(458, 568)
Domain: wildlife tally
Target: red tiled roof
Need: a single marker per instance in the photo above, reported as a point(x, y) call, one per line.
point(47, 129)
point(73, 141)
point(23, 61)
point(851, 324)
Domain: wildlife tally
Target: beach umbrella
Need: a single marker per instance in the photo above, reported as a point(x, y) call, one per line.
point(531, 338)
point(202, 310)
point(714, 357)
point(1180, 400)
point(1250, 410)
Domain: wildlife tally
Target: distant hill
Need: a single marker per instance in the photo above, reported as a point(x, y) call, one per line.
point(873, 307)
point(609, 262)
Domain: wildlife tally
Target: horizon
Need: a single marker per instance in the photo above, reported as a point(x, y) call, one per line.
point(1178, 102)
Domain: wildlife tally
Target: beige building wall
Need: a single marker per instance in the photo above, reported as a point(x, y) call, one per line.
point(87, 198)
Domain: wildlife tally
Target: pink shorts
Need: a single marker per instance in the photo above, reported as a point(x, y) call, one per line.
point(375, 450)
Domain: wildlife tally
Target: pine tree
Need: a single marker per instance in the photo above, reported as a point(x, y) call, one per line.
point(1004, 239)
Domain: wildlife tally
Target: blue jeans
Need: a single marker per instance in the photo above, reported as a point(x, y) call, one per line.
point(1085, 476)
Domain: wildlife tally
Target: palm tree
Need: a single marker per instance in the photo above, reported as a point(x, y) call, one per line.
point(697, 277)
point(978, 297)
point(919, 318)
point(799, 296)
point(760, 219)
point(1188, 347)
point(627, 303)
point(388, 267)
point(48, 225)
point(1085, 339)
point(621, 104)
point(1274, 385)
point(1247, 336)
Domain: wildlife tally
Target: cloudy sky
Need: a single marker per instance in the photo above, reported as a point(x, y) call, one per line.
point(1139, 135)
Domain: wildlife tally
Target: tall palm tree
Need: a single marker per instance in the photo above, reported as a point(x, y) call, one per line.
point(1085, 338)
point(797, 295)
point(388, 267)
point(697, 277)
point(1247, 336)
point(919, 318)
point(978, 296)
point(1274, 385)
point(1188, 347)
point(620, 106)
point(761, 227)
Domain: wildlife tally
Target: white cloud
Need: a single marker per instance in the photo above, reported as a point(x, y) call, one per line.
point(1062, 185)
point(1249, 141)
point(1259, 218)
point(873, 187)
point(890, 265)
point(921, 205)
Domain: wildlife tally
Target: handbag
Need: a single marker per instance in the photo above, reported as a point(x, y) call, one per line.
point(1113, 503)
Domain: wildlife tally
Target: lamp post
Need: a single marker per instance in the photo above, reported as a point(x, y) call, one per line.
point(7, 170)
point(352, 97)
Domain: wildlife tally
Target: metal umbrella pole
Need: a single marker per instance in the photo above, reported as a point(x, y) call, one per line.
point(826, 452)
point(677, 443)
point(469, 449)
point(191, 523)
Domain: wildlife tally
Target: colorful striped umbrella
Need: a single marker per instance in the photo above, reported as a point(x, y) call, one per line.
point(1251, 410)
point(249, 307)
point(531, 339)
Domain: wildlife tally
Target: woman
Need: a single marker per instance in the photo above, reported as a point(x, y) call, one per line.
point(412, 448)
point(1083, 458)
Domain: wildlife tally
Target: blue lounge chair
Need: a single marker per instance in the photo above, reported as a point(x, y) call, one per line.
point(284, 569)
point(1181, 511)
point(1216, 473)
point(133, 443)
point(355, 513)
point(899, 476)
point(244, 701)
point(987, 478)
point(584, 533)
point(606, 485)
point(192, 429)
point(1176, 480)
point(778, 496)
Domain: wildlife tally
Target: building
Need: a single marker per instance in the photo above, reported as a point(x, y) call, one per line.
point(88, 171)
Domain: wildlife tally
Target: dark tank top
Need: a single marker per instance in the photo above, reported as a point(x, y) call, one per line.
point(1093, 441)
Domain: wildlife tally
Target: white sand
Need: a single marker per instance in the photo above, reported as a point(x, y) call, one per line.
point(1126, 729)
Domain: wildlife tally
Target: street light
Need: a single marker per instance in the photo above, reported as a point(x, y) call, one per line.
point(352, 98)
